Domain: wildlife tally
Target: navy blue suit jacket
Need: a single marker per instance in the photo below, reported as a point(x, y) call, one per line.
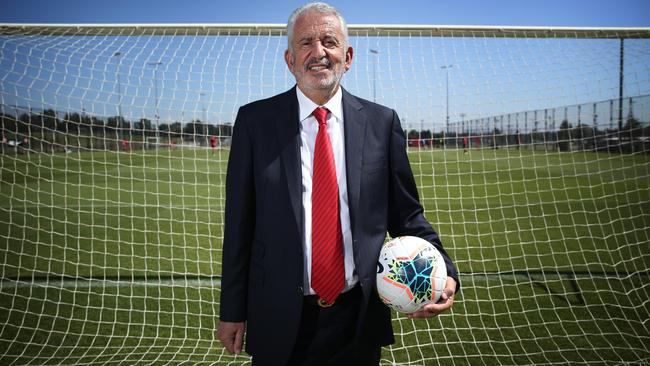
point(262, 272)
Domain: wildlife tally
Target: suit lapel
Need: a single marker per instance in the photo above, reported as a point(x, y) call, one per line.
point(355, 127)
point(288, 133)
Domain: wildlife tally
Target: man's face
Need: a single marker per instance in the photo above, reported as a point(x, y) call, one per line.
point(319, 55)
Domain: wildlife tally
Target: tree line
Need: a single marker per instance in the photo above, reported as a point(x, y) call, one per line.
point(81, 129)
point(633, 135)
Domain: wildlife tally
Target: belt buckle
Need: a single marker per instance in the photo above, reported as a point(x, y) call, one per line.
point(323, 304)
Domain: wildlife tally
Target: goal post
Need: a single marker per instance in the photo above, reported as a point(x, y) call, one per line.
point(530, 147)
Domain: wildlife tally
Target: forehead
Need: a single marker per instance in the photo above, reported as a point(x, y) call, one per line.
point(315, 25)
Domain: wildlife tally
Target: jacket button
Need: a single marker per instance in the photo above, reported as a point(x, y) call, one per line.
point(300, 290)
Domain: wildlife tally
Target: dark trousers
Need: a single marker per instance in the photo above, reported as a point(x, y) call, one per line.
point(327, 335)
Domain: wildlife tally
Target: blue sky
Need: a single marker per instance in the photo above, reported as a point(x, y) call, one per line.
point(583, 13)
point(211, 77)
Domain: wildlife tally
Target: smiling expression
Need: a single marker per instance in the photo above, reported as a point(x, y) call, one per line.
point(318, 55)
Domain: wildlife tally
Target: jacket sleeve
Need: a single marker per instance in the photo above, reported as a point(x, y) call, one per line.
point(239, 223)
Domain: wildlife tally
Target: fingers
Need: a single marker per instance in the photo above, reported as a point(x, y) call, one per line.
point(436, 309)
point(225, 338)
point(231, 336)
point(444, 303)
point(239, 341)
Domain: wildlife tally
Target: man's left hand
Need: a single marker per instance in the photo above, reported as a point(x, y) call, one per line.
point(444, 304)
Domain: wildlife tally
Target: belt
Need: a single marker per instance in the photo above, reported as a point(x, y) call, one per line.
point(343, 299)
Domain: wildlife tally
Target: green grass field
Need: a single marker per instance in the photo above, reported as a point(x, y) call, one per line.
point(114, 258)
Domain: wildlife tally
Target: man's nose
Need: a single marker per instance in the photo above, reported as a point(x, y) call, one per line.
point(317, 50)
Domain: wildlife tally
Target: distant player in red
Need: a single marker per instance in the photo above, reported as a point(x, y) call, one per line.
point(213, 142)
point(465, 144)
point(125, 145)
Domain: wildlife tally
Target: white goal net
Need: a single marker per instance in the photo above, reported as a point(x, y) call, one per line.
point(530, 148)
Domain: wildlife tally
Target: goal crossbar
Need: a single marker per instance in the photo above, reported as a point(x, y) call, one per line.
point(385, 30)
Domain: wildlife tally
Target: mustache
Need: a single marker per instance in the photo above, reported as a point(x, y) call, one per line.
point(318, 61)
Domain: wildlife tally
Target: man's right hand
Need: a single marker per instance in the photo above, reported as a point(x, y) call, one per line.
point(231, 336)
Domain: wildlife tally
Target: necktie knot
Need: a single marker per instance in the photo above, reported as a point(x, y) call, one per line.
point(320, 114)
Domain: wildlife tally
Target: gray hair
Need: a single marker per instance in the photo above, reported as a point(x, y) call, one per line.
point(322, 8)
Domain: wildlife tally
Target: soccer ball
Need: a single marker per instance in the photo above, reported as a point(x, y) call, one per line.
point(411, 273)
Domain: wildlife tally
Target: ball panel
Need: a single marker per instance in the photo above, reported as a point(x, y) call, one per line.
point(411, 273)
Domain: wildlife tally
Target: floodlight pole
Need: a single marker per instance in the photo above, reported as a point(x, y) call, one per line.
point(462, 122)
point(374, 75)
point(205, 111)
point(155, 85)
point(205, 127)
point(620, 91)
point(446, 68)
point(119, 87)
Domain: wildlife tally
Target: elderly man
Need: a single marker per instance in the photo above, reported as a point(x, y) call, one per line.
point(316, 178)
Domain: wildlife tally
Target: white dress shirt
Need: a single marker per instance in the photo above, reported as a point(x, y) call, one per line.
point(308, 131)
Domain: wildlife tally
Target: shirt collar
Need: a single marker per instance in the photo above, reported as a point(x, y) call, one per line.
point(306, 106)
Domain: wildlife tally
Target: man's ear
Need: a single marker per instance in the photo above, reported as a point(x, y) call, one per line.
point(349, 53)
point(288, 58)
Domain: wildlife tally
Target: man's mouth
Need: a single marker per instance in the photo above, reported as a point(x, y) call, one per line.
point(318, 65)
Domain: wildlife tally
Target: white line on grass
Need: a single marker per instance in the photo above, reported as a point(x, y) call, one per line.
point(6, 284)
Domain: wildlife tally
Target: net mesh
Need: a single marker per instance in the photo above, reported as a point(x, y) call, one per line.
point(529, 148)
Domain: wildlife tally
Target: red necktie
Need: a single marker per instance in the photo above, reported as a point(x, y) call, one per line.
point(328, 272)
